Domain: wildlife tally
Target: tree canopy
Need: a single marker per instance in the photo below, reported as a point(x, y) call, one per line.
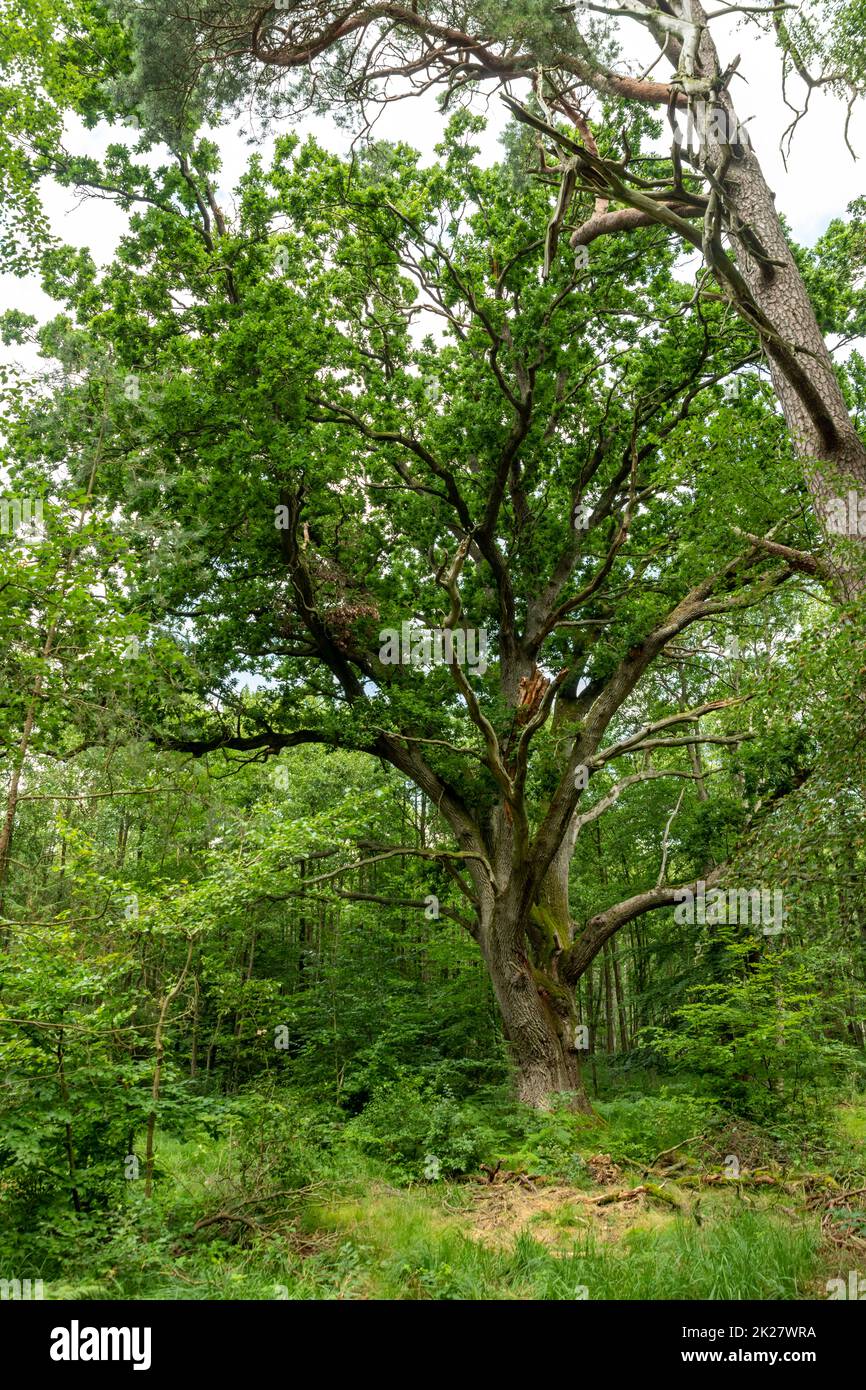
point(433, 611)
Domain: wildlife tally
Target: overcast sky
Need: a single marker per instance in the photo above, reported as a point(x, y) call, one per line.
point(821, 178)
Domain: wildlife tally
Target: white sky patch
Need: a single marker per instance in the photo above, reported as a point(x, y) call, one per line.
point(820, 181)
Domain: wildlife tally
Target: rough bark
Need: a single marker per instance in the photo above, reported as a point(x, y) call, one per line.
point(538, 1007)
point(821, 428)
point(524, 932)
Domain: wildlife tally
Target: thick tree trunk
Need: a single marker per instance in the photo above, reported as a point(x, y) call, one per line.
point(541, 1032)
point(538, 1008)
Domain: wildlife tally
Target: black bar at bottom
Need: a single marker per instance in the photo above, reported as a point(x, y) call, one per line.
point(87, 1340)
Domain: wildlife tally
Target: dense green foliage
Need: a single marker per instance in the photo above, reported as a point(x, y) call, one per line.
point(254, 1031)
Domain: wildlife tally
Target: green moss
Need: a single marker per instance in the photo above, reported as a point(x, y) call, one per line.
point(544, 935)
point(559, 996)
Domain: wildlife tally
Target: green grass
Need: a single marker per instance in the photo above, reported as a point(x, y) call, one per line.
point(389, 1244)
point(350, 1228)
point(852, 1119)
point(404, 1253)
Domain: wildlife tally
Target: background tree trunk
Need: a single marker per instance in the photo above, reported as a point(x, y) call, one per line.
point(823, 433)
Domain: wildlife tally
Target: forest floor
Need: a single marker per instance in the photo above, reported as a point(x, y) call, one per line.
point(513, 1239)
point(718, 1217)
